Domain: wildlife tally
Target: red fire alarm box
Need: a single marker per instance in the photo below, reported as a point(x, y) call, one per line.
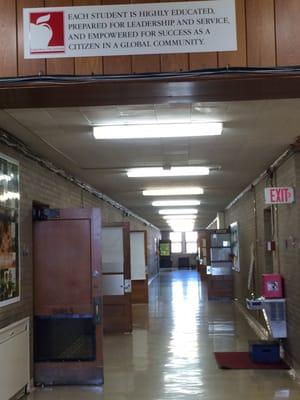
point(272, 286)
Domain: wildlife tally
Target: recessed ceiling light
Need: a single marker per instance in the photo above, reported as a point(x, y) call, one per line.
point(174, 211)
point(162, 172)
point(175, 203)
point(163, 130)
point(179, 217)
point(174, 191)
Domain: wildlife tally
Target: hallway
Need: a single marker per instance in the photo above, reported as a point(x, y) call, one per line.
point(170, 353)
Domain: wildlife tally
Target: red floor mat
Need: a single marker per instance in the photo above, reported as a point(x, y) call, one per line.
point(242, 360)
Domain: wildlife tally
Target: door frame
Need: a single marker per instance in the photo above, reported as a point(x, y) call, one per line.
point(140, 293)
point(111, 303)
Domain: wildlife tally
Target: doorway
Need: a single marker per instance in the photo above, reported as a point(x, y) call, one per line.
point(116, 278)
point(138, 262)
point(269, 243)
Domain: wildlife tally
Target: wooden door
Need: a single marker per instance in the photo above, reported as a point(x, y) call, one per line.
point(138, 264)
point(116, 278)
point(68, 327)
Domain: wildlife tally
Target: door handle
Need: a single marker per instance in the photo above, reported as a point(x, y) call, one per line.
point(97, 304)
point(127, 285)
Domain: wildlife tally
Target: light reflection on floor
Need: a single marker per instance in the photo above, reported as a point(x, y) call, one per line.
point(169, 355)
point(183, 346)
point(282, 394)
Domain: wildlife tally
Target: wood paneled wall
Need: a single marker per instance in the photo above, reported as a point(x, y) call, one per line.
point(268, 35)
point(8, 46)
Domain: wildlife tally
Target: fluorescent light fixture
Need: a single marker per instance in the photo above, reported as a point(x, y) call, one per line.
point(163, 130)
point(174, 211)
point(163, 172)
point(171, 220)
point(175, 203)
point(176, 191)
point(178, 217)
point(187, 226)
point(179, 228)
point(181, 222)
point(182, 227)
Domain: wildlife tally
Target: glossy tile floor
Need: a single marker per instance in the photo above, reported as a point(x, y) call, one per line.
point(170, 352)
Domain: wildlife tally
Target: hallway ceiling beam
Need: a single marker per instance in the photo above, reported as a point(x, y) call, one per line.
point(39, 93)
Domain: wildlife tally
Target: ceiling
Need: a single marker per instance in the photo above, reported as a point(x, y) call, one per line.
point(255, 133)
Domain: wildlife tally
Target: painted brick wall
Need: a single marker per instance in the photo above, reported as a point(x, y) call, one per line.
point(286, 220)
point(37, 183)
point(243, 213)
point(288, 228)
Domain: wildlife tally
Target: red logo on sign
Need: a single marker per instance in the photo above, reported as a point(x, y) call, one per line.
point(47, 32)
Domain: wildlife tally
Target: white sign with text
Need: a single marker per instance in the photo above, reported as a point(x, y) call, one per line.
point(279, 195)
point(185, 27)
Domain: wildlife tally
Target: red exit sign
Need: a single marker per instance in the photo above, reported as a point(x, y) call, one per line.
point(279, 195)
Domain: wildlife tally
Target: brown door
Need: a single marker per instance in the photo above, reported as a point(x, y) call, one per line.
point(67, 298)
point(116, 278)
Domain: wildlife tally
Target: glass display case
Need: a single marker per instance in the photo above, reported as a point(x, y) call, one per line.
point(219, 272)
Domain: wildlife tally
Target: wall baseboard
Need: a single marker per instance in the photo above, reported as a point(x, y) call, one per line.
point(30, 387)
point(150, 280)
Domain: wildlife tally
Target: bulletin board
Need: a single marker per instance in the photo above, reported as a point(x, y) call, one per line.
point(9, 231)
point(235, 246)
point(165, 249)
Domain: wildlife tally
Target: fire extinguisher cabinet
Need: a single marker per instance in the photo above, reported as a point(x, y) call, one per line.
point(272, 286)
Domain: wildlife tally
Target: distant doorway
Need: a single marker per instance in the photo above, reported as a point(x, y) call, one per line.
point(268, 229)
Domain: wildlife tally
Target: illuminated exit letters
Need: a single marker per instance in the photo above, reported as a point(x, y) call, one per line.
point(279, 195)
